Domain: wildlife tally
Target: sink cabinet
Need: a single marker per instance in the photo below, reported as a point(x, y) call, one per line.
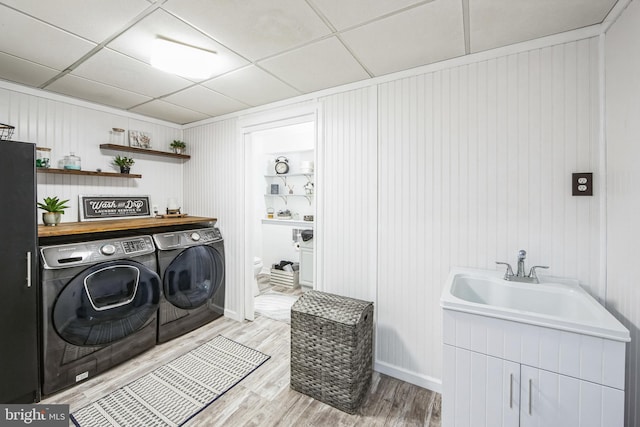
point(502, 373)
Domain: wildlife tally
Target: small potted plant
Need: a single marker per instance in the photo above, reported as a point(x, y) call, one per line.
point(178, 146)
point(124, 163)
point(54, 208)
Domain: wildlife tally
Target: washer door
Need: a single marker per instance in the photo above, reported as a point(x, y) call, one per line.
point(193, 277)
point(106, 303)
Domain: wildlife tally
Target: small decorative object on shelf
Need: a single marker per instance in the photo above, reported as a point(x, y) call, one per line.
point(43, 157)
point(6, 131)
point(285, 214)
point(308, 188)
point(275, 189)
point(139, 139)
point(290, 187)
point(54, 208)
point(124, 163)
point(178, 146)
point(72, 162)
point(306, 166)
point(116, 136)
point(270, 212)
point(282, 165)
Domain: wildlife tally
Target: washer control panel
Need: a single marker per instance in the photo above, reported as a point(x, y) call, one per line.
point(91, 252)
point(183, 239)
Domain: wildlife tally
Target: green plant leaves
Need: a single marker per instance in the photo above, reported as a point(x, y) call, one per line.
point(53, 204)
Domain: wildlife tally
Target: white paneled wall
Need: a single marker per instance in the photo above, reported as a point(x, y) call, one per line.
point(475, 163)
point(214, 187)
point(458, 167)
point(347, 194)
point(67, 127)
point(623, 193)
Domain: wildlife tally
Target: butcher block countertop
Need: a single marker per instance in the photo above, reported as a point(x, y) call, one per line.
point(89, 227)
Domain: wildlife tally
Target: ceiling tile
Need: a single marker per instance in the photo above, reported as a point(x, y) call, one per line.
point(20, 71)
point(205, 101)
point(320, 65)
point(344, 14)
point(495, 23)
point(422, 35)
point(96, 92)
point(166, 111)
point(252, 86)
point(30, 39)
point(253, 28)
point(137, 41)
point(126, 73)
point(93, 19)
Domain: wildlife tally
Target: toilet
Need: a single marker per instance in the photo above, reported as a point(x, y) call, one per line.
point(257, 268)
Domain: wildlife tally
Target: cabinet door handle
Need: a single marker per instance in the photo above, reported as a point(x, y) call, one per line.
point(510, 391)
point(28, 269)
point(529, 396)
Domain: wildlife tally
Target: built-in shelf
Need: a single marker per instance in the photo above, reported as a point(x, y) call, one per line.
point(116, 147)
point(285, 196)
point(284, 175)
point(288, 222)
point(87, 173)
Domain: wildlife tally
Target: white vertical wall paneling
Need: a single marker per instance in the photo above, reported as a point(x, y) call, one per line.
point(475, 163)
point(348, 190)
point(623, 194)
point(69, 128)
point(214, 187)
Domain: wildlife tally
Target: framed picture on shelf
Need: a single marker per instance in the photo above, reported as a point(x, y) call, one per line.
point(275, 189)
point(139, 139)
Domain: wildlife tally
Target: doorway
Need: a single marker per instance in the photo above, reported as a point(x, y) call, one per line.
point(279, 205)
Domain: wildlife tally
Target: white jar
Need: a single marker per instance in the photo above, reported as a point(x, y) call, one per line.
point(72, 162)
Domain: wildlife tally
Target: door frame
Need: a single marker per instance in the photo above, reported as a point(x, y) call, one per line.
point(246, 126)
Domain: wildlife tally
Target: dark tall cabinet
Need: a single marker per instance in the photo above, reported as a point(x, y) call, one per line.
point(19, 359)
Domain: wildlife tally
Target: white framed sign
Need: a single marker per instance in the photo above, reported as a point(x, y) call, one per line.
point(97, 208)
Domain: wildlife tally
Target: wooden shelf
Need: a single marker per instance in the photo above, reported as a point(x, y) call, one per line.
point(87, 173)
point(74, 228)
point(117, 147)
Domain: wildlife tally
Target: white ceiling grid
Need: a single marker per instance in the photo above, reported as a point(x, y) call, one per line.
point(268, 50)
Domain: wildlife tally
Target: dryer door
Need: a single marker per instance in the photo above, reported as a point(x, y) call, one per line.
point(193, 277)
point(106, 302)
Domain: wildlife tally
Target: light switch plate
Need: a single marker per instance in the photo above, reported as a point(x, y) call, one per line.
point(582, 184)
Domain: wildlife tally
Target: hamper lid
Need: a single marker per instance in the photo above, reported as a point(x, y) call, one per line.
point(332, 307)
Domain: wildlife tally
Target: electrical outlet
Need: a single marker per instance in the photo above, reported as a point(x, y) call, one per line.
point(582, 184)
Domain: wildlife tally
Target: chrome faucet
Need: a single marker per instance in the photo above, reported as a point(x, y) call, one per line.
point(520, 275)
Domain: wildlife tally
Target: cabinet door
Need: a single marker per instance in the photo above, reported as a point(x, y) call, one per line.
point(554, 400)
point(18, 293)
point(479, 390)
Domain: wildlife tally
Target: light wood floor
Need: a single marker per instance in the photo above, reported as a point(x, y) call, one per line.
point(264, 398)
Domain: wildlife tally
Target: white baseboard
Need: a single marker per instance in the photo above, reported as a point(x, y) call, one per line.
point(423, 381)
point(232, 314)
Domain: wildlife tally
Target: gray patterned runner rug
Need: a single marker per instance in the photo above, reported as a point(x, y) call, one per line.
point(177, 391)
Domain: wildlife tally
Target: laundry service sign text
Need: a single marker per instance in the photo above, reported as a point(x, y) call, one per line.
point(95, 208)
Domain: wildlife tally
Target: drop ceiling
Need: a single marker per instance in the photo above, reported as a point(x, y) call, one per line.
point(268, 50)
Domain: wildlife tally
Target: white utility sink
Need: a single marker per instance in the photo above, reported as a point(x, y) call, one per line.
point(553, 303)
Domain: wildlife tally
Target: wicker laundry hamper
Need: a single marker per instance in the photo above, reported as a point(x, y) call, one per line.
point(331, 349)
